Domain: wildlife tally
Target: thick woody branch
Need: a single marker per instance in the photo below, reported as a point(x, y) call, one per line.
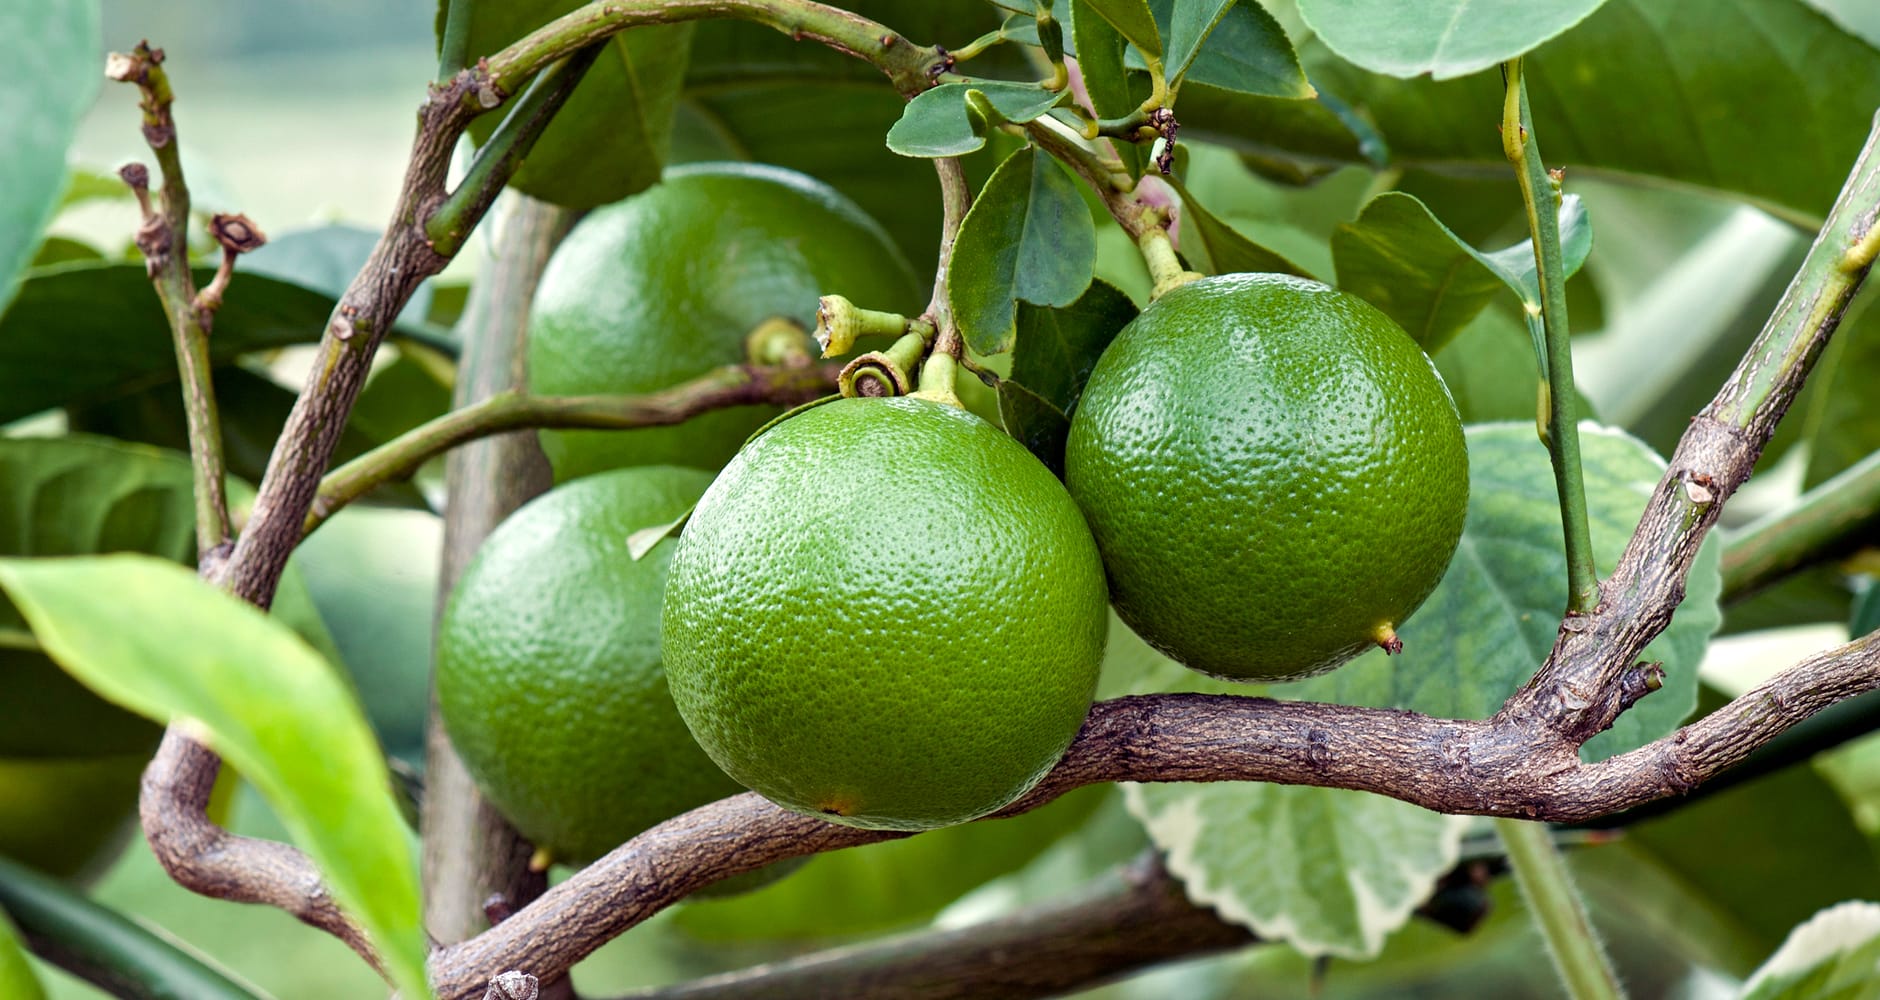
point(731, 385)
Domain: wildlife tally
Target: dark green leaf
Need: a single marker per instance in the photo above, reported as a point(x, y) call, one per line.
point(1245, 50)
point(1186, 24)
point(1132, 19)
point(50, 49)
point(888, 885)
point(324, 259)
point(1100, 49)
point(1028, 236)
point(106, 942)
point(1038, 425)
point(1057, 348)
point(612, 136)
point(1218, 248)
point(1444, 38)
point(1724, 875)
point(60, 250)
point(1639, 88)
point(170, 646)
point(1402, 259)
point(942, 122)
point(1494, 616)
point(79, 333)
point(1865, 616)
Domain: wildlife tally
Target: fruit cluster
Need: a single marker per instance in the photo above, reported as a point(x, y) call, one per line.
point(887, 611)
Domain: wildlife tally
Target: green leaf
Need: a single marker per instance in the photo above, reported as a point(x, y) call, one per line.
point(1241, 49)
point(1638, 89)
point(80, 333)
point(1722, 877)
point(61, 250)
point(1444, 38)
point(106, 943)
point(1027, 237)
point(17, 979)
point(1842, 423)
point(1328, 871)
point(1036, 423)
point(891, 884)
point(1490, 370)
point(1403, 260)
point(1057, 348)
point(1494, 616)
point(1216, 247)
point(611, 138)
point(1132, 19)
point(1829, 957)
point(50, 48)
point(943, 122)
point(324, 259)
point(1100, 52)
point(171, 647)
point(1865, 616)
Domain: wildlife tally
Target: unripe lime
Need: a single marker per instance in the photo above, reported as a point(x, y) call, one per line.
point(548, 673)
point(666, 285)
point(887, 613)
point(1274, 472)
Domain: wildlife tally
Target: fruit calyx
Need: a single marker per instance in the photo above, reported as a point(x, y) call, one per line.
point(884, 373)
point(778, 342)
point(840, 322)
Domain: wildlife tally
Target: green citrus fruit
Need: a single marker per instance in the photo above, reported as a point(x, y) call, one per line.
point(548, 667)
point(1274, 472)
point(664, 287)
point(885, 612)
point(68, 816)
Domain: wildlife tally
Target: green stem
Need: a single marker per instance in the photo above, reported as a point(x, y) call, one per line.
point(453, 50)
point(1540, 194)
point(102, 947)
point(498, 158)
point(1558, 911)
point(909, 66)
point(164, 240)
point(1823, 521)
point(731, 385)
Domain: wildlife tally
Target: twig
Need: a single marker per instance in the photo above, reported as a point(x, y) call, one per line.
point(1584, 969)
point(453, 47)
point(1540, 194)
point(471, 854)
point(956, 199)
point(731, 385)
point(163, 237)
point(1823, 521)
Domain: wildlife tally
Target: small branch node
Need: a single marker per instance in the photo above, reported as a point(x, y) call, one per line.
point(238, 235)
point(514, 985)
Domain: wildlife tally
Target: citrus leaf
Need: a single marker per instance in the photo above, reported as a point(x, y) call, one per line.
point(172, 647)
point(1843, 422)
point(51, 50)
point(611, 137)
point(1494, 616)
point(942, 122)
point(1398, 256)
point(1445, 38)
point(1036, 423)
point(1831, 956)
point(17, 979)
point(646, 539)
point(1326, 870)
point(1132, 19)
point(1242, 49)
point(1057, 348)
point(325, 259)
point(1218, 248)
point(1100, 52)
point(62, 250)
point(1028, 236)
point(1865, 615)
point(1639, 89)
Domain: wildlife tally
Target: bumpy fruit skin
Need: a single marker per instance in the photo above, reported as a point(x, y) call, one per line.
point(549, 678)
point(664, 286)
point(1274, 472)
point(887, 613)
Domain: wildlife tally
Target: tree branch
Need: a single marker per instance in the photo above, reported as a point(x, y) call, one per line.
point(508, 410)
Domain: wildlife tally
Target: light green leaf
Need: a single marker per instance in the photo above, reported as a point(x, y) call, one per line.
point(1444, 38)
point(1835, 955)
point(1328, 871)
point(1028, 236)
point(17, 980)
point(1494, 616)
point(1399, 257)
point(943, 122)
point(1132, 19)
point(1243, 49)
point(173, 648)
point(611, 138)
point(50, 49)
point(1215, 247)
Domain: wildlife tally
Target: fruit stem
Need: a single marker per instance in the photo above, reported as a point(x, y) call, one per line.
point(839, 323)
point(1165, 268)
point(1540, 193)
point(936, 380)
point(1584, 969)
point(884, 373)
